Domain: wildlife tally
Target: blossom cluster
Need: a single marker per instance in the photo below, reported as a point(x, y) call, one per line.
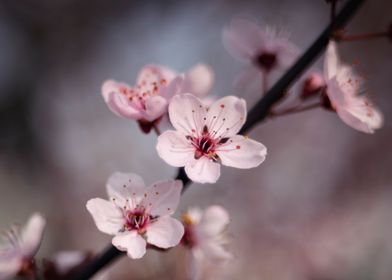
point(204, 135)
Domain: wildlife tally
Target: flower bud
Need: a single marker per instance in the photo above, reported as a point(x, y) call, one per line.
point(312, 86)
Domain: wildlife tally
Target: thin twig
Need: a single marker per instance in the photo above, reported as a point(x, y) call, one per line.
point(361, 37)
point(295, 110)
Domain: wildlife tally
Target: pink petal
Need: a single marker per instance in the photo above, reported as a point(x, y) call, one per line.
point(162, 198)
point(118, 103)
point(214, 221)
point(156, 72)
point(132, 243)
point(174, 87)
point(32, 234)
point(64, 261)
point(198, 80)
point(331, 61)
point(286, 52)
point(121, 186)
point(186, 113)
point(202, 170)
point(242, 152)
point(215, 252)
point(226, 116)
point(166, 232)
point(356, 115)
point(174, 148)
point(156, 106)
point(107, 217)
point(9, 267)
point(243, 39)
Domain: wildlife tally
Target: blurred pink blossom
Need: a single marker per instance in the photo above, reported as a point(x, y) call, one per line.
point(205, 235)
point(16, 255)
point(344, 93)
point(206, 137)
point(263, 48)
point(137, 215)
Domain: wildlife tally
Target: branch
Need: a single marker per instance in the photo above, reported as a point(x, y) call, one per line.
point(257, 114)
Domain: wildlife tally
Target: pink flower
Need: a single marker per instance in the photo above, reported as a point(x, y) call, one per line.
point(262, 47)
point(205, 233)
point(343, 92)
point(205, 236)
point(206, 137)
point(147, 101)
point(16, 255)
point(137, 215)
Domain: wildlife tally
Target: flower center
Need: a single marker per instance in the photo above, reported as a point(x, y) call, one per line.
point(136, 220)
point(147, 87)
point(205, 145)
point(266, 60)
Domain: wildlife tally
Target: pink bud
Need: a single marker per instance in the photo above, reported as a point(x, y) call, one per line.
point(312, 85)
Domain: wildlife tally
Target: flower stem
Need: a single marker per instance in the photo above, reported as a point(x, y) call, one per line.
point(257, 114)
point(264, 81)
point(295, 110)
point(156, 129)
point(361, 37)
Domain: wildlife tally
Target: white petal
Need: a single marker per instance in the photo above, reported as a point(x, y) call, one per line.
point(107, 217)
point(203, 170)
point(214, 221)
point(242, 152)
point(132, 243)
point(162, 198)
point(331, 61)
point(64, 261)
point(174, 87)
point(9, 267)
point(32, 234)
point(226, 116)
point(155, 72)
point(118, 103)
point(199, 80)
point(357, 116)
point(243, 39)
point(122, 186)
point(215, 252)
point(156, 106)
point(186, 114)
point(166, 232)
point(174, 148)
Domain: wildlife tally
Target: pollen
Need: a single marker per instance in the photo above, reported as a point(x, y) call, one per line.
point(222, 106)
point(238, 147)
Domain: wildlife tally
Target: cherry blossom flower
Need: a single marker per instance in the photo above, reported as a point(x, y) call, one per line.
point(264, 49)
point(137, 215)
point(344, 94)
point(155, 86)
point(21, 245)
point(206, 137)
point(205, 236)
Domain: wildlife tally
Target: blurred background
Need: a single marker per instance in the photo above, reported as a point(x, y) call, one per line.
point(318, 208)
